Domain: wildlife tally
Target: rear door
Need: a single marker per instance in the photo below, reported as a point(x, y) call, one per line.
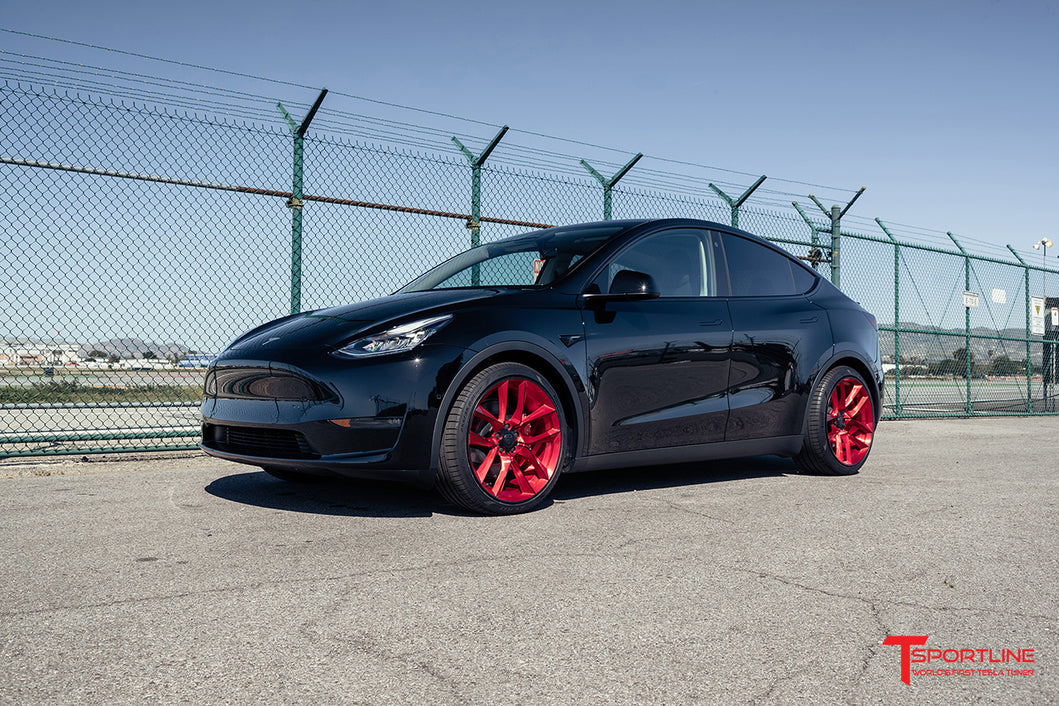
point(778, 335)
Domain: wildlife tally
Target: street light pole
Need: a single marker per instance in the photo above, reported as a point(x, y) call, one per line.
point(1045, 243)
point(1046, 353)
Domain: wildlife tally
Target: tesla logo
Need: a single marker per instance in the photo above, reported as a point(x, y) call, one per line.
point(976, 662)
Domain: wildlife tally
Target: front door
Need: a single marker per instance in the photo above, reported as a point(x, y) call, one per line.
point(659, 369)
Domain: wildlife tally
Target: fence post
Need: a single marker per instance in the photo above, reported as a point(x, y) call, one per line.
point(476, 193)
point(815, 256)
point(608, 184)
point(966, 321)
point(735, 204)
point(897, 317)
point(1029, 365)
point(835, 214)
point(295, 201)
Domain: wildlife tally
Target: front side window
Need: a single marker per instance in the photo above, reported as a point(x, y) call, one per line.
point(680, 261)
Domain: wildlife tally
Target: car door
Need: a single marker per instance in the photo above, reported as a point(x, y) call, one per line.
point(658, 369)
point(778, 335)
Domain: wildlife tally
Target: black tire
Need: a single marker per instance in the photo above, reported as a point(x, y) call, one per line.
point(292, 476)
point(837, 443)
point(516, 449)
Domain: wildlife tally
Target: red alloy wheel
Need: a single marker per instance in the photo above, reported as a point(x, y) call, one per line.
point(515, 440)
point(850, 421)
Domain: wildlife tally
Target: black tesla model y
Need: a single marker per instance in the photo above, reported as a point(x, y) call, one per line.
point(621, 343)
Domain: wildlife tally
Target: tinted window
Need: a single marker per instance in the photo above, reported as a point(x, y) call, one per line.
point(680, 261)
point(534, 259)
point(803, 279)
point(755, 270)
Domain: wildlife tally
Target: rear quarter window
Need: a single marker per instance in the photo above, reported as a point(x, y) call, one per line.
point(758, 271)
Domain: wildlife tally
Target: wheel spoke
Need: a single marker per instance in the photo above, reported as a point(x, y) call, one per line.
point(860, 405)
point(478, 440)
point(516, 416)
point(854, 390)
point(530, 440)
point(842, 446)
point(483, 469)
point(862, 425)
point(501, 392)
point(501, 477)
point(520, 477)
point(542, 471)
point(485, 414)
point(541, 411)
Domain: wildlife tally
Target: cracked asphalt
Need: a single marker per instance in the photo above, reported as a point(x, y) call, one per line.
point(178, 578)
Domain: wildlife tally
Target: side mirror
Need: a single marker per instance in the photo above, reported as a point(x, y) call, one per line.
point(628, 286)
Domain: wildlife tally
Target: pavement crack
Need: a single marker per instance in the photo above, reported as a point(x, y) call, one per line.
point(257, 586)
point(683, 508)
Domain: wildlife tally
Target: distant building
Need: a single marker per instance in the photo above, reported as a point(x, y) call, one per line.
point(197, 360)
point(16, 352)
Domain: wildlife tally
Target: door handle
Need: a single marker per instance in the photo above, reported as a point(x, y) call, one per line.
point(809, 319)
point(713, 322)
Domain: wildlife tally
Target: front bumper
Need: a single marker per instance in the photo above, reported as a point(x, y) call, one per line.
point(377, 420)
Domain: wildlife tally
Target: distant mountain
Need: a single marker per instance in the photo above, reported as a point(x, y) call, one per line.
point(933, 345)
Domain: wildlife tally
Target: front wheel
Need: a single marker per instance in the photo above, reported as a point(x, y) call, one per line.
point(840, 426)
point(505, 441)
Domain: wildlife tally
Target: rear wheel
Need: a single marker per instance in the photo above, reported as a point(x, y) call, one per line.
point(505, 441)
point(840, 426)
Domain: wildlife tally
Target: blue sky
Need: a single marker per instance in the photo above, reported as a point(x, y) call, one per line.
point(946, 111)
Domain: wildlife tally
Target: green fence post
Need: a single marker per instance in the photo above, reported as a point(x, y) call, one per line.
point(736, 203)
point(608, 184)
point(835, 214)
point(968, 407)
point(897, 317)
point(475, 223)
point(815, 256)
point(1029, 365)
point(296, 200)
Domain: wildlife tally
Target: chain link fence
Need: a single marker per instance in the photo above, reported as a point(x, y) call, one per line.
point(141, 240)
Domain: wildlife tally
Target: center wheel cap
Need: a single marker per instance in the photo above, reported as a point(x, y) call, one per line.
point(508, 440)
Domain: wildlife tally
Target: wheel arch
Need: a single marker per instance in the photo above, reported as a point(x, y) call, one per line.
point(852, 359)
point(533, 356)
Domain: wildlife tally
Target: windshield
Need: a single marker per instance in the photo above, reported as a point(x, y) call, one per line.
point(532, 260)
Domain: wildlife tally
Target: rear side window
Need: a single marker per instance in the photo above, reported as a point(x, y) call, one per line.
point(757, 271)
point(803, 278)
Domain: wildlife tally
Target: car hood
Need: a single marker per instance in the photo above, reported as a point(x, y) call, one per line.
point(329, 328)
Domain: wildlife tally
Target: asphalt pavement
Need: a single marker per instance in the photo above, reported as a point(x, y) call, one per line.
point(181, 578)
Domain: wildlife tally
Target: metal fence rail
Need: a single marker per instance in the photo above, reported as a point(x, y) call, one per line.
point(139, 240)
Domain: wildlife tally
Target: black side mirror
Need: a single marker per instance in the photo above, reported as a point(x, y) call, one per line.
point(628, 286)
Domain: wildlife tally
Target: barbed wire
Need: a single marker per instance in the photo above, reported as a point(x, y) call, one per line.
point(204, 87)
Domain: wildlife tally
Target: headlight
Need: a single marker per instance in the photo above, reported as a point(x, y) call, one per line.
point(396, 340)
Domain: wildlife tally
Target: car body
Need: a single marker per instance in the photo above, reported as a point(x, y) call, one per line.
point(592, 346)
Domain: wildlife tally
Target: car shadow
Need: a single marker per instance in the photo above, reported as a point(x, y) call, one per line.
point(623, 480)
point(350, 498)
point(366, 498)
